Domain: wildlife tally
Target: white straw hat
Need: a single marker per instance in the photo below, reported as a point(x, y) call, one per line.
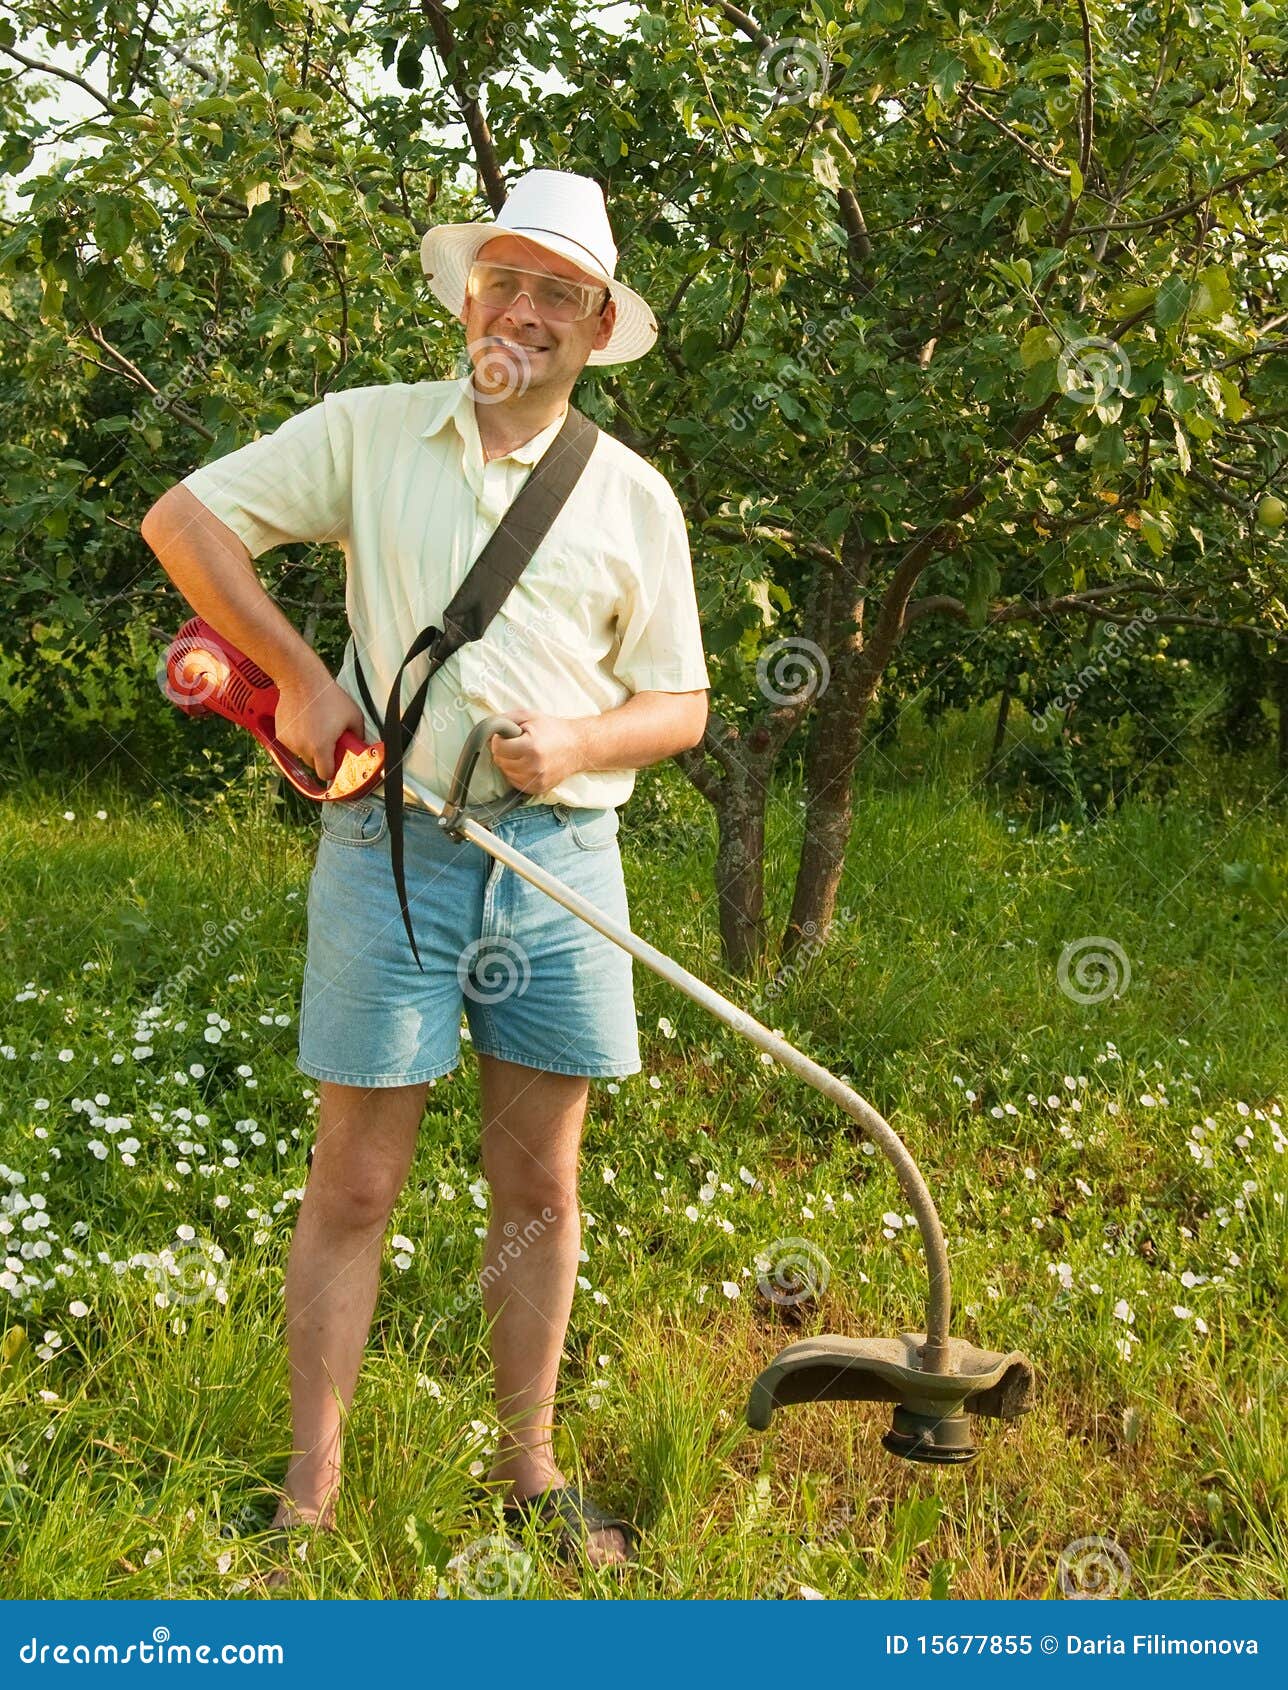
point(565, 214)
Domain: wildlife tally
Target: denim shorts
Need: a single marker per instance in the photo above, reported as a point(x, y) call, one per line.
point(537, 985)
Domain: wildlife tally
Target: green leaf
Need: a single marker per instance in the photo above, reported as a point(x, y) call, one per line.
point(698, 348)
point(1110, 450)
point(1233, 402)
point(1038, 343)
point(915, 1522)
point(834, 524)
point(866, 404)
point(941, 1580)
point(758, 594)
point(1155, 537)
point(994, 205)
point(986, 64)
point(824, 168)
point(113, 226)
point(982, 585)
point(1182, 448)
point(1212, 294)
point(1169, 307)
point(846, 119)
point(946, 71)
point(410, 72)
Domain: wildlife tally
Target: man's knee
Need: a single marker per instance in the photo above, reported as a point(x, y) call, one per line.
point(356, 1200)
point(362, 1156)
point(543, 1201)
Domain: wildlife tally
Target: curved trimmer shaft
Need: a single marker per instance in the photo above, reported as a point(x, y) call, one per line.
point(939, 1308)
point(933, 1381)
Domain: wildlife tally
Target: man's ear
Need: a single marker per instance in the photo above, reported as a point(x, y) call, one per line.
point(606, 325)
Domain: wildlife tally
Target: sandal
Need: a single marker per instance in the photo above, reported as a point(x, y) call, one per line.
point(575, 1516)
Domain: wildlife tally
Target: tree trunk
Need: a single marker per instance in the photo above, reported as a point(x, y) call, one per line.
point(1279, 683)
point(740, 877)
point(829, 811)
point(999, 736)
point(733, 773)
point(840, 713)
point(861, 660)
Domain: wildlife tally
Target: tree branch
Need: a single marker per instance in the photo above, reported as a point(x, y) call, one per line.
point(471, 115)
point(748, 25)
point(1032, 152)
point(1178, 211)
point(65, 76)
point(140, 380)
point(1082, 604)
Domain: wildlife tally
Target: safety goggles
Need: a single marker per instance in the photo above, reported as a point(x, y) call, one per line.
point(498, 285)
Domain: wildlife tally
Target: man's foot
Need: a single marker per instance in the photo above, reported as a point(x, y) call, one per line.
point(293, 1529)
point(606, 1540)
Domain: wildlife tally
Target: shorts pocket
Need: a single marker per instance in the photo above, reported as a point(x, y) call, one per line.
point(354, 821)
point(593, 830)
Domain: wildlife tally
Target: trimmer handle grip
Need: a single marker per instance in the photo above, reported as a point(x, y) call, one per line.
point(458, 807)
point(358, 766)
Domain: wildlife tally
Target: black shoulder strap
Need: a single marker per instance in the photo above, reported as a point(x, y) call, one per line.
point(475, 602)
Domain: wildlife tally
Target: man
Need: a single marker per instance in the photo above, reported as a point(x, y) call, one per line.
point(597, 654)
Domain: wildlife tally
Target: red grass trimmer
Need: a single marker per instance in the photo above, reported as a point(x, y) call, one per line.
point(205, 674)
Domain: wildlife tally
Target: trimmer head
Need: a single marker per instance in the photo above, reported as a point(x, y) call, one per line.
point(206, 673)
point(930, 1415)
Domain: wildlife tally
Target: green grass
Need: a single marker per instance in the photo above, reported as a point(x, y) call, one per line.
point(140, 1444)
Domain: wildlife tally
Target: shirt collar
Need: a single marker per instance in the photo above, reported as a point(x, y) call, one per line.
point(455, 402)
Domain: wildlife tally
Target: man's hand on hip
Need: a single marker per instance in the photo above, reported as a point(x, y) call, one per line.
point(550, 750)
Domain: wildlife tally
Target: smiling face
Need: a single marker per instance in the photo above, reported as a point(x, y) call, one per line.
point(515, 348)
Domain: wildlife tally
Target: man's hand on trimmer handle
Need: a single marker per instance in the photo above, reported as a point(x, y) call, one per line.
point(550, 749)
point(313, 711)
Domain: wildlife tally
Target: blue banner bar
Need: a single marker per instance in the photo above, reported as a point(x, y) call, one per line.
point(625, 1643)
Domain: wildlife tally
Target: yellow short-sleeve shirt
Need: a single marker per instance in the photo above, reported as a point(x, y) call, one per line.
point(395, 476)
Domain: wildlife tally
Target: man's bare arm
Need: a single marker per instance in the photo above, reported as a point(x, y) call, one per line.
point(213, 570)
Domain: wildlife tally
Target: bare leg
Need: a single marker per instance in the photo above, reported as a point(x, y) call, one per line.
point(532, 1125)
point(365, 1144)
